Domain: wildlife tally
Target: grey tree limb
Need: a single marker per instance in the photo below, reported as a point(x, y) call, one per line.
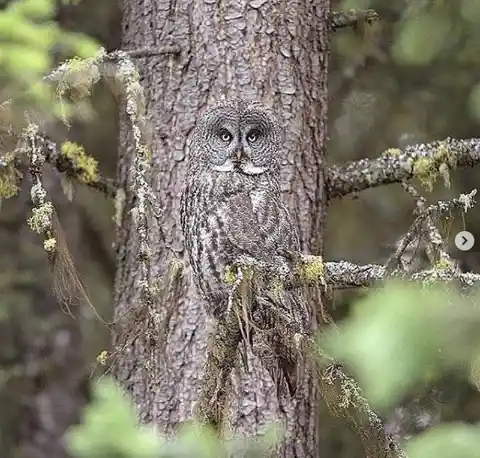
point(425, 161)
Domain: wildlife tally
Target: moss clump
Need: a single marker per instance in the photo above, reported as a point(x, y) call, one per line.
point(443, 264)
point(86, 165)
point(428, 169)
point(425, 170)
point(78, 77)
point(230, 275)
point(313, 270)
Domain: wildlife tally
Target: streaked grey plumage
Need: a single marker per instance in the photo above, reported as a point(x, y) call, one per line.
point(231, 206)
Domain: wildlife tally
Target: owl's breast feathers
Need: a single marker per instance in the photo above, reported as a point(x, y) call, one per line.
point(227, 215)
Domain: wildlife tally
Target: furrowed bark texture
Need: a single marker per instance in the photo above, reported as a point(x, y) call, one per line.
point(275, 51)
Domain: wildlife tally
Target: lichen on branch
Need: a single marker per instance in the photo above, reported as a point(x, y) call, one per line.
point(426, 161)
point(41, 220)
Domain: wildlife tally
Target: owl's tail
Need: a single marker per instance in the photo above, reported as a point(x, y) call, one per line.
point(285, 367)
point(291, 373)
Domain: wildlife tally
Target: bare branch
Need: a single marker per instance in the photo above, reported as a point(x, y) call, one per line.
point(423, 227)
point(149, 52)
point(425, 161)
point(352, 18)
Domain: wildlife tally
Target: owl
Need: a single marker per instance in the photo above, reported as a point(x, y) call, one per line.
point(231, 206)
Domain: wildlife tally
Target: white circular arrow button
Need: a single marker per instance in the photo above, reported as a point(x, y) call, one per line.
point(464, 240)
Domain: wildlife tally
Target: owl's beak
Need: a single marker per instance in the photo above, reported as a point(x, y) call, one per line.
point(238, 154)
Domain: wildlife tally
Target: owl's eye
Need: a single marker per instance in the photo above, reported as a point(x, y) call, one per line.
point(252, 136)
point(225, 136)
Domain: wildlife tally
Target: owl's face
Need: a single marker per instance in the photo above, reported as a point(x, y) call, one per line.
point(240, 137)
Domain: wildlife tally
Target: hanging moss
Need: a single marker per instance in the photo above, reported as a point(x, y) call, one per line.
point(439, 164)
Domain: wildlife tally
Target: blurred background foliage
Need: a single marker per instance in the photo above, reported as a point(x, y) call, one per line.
point(425, 332)
point(110, 430)
point(30, 39)
point(412, 77)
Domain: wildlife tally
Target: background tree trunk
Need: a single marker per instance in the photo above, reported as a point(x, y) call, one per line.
point(274, 51)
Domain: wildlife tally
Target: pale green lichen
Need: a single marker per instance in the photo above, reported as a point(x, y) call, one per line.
point(312, 270)
point(41, 218)
point(424, 169)
point(87, 165)
point(119, 205)
point(230, 275)
point(440, 164)
point(444, 264)
point(444, 171)
point(102, 357)
point(77, 77)
point(50, 245)
point(276, 287)
point(445, 154)
point(393, 152)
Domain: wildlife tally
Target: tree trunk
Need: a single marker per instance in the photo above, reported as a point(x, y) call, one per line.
point(275, 51)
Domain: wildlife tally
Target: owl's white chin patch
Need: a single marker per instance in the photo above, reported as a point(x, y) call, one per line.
point(227, 166)
point(250, 169)
point(244, 167)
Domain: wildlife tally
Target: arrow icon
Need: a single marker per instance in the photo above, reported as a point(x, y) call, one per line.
point(464, 240)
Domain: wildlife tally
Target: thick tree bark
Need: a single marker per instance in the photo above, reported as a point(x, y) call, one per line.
point(275, 51)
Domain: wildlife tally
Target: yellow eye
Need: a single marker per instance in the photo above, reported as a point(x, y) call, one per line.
point(252, 136)
point(225, 136)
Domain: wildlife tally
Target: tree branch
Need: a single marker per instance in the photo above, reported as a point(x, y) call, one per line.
point(351, 18)
point(344, 399)
point(424, 161)
point(148, 52)
point(64, 164)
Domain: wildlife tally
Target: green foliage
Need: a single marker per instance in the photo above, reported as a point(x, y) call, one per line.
point(403, 337)
point(421, 39)
point(446, 441)
point(110, 430)
point(27, 36)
